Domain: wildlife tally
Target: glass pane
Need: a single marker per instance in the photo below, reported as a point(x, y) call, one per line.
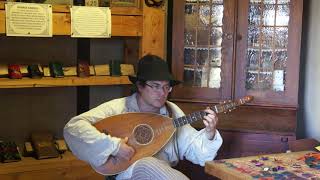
point(251, 80)
point(190, 9)
point(216, 36)
point(203, 36)
point(217, 15)
point(205, 76)
point(217, 1)
point(210, 77)
point(269, 15)
point(204, 15)
point(255, 1)
point(266, 60)
point(283, 1)
point(188, 76)
point(189, 56)
point(215, 77)
point(269, 1)
point(204, 1)
point(253, 37)
point(265, 80)
point(190, 37)
point(202, 56)
point(190, 21)
point(281, 57)
point(279, 70)
point(281, 37)
point(255, 15)
point(253, 59)
point(215, 57)
point(199, 77)
point(282, 17)
point(267, 37)
point(278, 80)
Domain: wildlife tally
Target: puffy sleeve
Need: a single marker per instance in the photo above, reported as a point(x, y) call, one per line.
point(194, 145)
point(85, 141)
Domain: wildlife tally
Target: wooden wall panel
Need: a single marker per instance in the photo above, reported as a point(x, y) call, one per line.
point(126, 26)
point(2, 21)
point(153, 31)
point(60, 24)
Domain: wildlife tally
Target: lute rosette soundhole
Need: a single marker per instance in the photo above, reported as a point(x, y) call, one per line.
point(143, 134)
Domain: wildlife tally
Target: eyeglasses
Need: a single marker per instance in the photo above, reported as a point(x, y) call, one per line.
point(157, 87)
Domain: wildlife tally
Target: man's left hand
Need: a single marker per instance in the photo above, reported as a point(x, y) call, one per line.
point(210, 121)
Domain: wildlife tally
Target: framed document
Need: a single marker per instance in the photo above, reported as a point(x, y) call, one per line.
point(92, 22)
point(125, 3)
point(28, 19)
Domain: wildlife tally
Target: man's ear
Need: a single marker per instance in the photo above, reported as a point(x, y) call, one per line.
point(138, 86)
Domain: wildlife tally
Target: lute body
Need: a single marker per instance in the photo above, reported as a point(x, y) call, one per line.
point(148, 132)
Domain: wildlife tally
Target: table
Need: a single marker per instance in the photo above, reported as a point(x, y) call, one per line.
point(293, 165)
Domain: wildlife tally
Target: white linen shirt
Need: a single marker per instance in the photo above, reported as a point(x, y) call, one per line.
point(94, 147)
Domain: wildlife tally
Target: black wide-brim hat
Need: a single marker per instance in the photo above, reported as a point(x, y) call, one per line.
point(153, 68)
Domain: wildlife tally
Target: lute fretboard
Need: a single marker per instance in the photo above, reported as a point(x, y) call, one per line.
point(219, 108)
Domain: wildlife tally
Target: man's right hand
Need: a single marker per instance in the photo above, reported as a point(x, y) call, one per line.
point(125, 151)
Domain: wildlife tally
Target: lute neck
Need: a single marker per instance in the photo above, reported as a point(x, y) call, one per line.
point(199, 115)
point(193, 117)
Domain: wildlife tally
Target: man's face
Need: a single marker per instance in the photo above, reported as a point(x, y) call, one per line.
point(155, 93)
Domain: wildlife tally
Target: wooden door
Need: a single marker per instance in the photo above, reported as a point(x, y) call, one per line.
point(202, 49)
point(268, 51)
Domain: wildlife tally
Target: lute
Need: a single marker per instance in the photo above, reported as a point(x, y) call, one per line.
point(149, 132)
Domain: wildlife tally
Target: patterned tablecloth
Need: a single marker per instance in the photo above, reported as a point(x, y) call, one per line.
point(294, 165)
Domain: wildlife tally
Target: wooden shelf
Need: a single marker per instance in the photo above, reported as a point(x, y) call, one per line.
point(65, 81)
point(30, 164)
point(67, 167)
point(125, 21)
